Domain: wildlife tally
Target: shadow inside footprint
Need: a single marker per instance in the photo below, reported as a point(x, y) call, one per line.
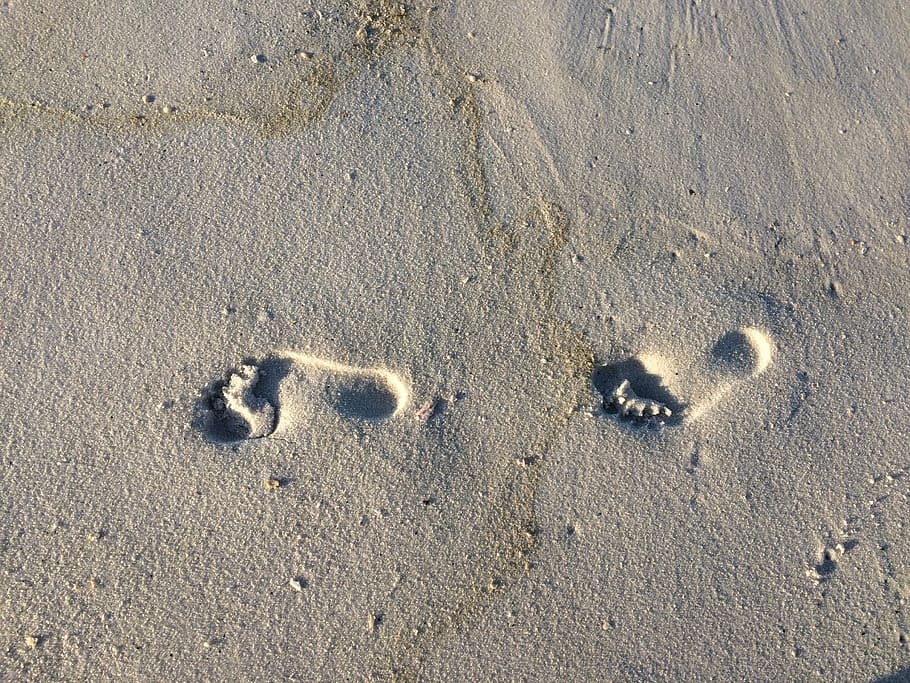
point(734, 353)
point(244, 404)
point(646, 386)
point(901, 676)
point(745, 352)
point(362, 397)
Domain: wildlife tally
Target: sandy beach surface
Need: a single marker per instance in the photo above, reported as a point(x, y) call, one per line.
point(358, 340)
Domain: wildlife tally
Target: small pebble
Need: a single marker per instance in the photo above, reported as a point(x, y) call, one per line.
point(373, 622)
point(258, 59)
point(148, 99)
point(298, 584)
point(426, 410)
point(31, 642)
point(272, 484)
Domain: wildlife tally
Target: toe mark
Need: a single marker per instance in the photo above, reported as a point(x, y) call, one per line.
point(635, 395)
point(244, 404)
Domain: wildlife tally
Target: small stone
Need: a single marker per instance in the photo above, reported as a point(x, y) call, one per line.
point(298, 584)
point(167, 109)
point(495, 584)
point(426, 410)
point(305, 56)
point(31, 642)
point(148, 99)
point(258, 58)
point(272, 484)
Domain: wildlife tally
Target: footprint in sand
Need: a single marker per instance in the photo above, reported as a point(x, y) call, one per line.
point(245, 404)
point(649, 391)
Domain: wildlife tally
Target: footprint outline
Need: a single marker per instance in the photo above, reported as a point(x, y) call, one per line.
point(244, 405)
point(738, 356)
